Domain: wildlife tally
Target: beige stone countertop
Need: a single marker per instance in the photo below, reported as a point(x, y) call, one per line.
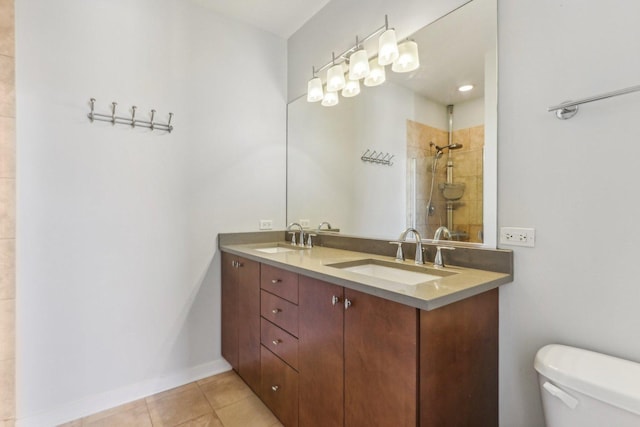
point(315, 262)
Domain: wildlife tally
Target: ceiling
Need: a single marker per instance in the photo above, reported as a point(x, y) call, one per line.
point(452, 53)
point(280, 17)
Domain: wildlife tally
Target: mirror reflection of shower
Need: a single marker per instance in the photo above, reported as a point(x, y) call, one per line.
point(452, 192)
point(445, 176)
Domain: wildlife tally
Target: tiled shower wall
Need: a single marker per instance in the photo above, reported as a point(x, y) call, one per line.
point(7, 213)
point(467, 161)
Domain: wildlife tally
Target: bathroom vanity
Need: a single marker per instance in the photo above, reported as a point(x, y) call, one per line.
point(326, 344)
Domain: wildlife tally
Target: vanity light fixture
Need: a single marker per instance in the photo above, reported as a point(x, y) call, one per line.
point(335, 76)
point(314, 88)
point(330, 99)
point(408, 59)
point(358, 63)
point(465, 88)
point(404, 59)
point(377, 75)
point(352, 88)
point(387, 45)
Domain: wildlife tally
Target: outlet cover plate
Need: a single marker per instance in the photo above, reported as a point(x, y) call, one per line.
point(266, 224)
point(518, 236)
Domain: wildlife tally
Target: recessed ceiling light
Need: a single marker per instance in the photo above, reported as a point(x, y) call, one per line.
point(465, 88)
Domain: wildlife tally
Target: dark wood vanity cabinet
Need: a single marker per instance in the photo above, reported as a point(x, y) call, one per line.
point(241, 317)
point(319, 354)
point(279, 339)
point(459, 363)
point(357, 358)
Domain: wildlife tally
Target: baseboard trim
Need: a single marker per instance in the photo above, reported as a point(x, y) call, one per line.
point(100, 402)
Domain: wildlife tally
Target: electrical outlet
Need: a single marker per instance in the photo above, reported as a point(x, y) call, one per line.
point(518, 236)
point(266, 224)
point(305, 223)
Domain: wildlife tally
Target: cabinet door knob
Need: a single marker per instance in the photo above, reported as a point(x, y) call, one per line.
point(276, 311)
point(276, 342)
point(335, 300)
point(274, 387)
point(347, 303)
point(274, 281)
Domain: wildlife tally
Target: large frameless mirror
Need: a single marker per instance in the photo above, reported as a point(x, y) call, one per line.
point(415, 151)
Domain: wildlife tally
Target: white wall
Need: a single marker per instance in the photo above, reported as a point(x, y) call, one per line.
point(468, 114)
point(571, 180)
point(320, 162)
point(118, 273)
point(574, 181)
point(328, 181)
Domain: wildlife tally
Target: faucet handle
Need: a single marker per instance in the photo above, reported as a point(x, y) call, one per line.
point(293, 237)
point(399, 253)
point(437, 262)
point(309, 241)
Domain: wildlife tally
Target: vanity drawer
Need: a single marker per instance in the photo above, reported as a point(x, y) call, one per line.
point(279, 311)
point(279, 282)
point(280, 342)
point(279, 388)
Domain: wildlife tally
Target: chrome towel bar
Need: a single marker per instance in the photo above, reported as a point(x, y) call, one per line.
point(568, 109)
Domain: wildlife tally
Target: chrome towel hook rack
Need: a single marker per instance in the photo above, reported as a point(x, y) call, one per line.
point(568, 109)
point(379, 158)
point(131, 121)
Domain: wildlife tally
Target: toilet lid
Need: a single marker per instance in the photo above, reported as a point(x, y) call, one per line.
point(606, 378)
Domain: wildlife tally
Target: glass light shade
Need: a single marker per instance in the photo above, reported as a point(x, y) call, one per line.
point(376, 76)
point(335, 78)
point(408, 60)
point(352, 88)
point(358, 65)
point(387, 47)
point(314, 90)
point(330, 99)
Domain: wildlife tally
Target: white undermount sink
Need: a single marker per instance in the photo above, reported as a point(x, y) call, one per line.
point(280, 248)
point(394, 272)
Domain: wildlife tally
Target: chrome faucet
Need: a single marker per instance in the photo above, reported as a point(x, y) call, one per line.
point(293, 234)
point(418, 238)
point(437, 261)
point(324, 223)
point(440, 231)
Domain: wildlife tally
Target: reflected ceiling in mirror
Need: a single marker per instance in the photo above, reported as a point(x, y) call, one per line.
point(407, 117)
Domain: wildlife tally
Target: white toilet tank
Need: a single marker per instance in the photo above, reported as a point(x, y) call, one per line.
point(587, 389)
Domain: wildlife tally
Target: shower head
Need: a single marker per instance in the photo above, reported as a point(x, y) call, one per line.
point(440, 150)
point(450, 147)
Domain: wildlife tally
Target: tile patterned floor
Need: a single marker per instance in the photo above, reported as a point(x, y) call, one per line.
point(223, 400)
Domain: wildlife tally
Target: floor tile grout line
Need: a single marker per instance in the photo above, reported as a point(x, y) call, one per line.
point(146, 405)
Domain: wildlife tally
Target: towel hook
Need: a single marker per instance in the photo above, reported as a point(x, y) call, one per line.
point(133, 116)
point(93, 101)
point(113, 112)
point(153, 113)
point(169, 122)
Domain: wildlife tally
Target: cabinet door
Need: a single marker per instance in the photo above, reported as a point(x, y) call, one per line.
point(459, 363)
point(249, 322)
point(380, 348)
point(229, 308)
point(320, 354)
